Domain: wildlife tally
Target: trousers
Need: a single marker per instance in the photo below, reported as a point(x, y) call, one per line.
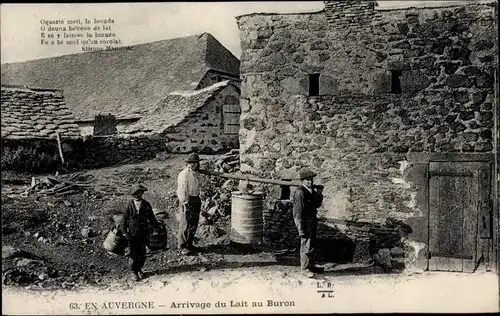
point(188, 222)
point(137, 256)
point(308, 245)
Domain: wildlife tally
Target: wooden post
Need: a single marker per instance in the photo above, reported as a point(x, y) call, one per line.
point(60, 147)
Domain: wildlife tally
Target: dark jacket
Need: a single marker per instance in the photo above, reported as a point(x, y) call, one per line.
point(134, 222)
point(305, 209)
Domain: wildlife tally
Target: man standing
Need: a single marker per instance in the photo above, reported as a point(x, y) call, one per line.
point(138, 218)
point(188, 192)
point(306, 200)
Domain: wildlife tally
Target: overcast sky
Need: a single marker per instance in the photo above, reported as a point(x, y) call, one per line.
point(137, 23)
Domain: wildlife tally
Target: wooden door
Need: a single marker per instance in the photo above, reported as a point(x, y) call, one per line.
point(231, 118)
point(456, 193)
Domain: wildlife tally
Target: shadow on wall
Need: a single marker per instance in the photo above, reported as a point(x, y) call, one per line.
point(352, 241)
point(334, 246)
point(340, 241)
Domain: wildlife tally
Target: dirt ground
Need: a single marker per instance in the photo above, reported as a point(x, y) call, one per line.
point(52, 248)
point(288, 291)
point(56, 242)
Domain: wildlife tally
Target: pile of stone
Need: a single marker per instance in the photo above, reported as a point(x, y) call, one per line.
point(229, 162)
point(216, 199)
point(22, 267)
point(390, 259)
point(216, 196)
point(401, 257)
point(279, 228)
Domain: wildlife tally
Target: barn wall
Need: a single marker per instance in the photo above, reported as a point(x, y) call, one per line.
point(359, 133)
point(202, 131)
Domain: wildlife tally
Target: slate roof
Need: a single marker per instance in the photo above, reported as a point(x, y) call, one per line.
point(35, 113)
point(125, 82)
point(174, 109)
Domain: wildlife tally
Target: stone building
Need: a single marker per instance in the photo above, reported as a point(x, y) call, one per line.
point(120, 86)
point(396, 110)
point(29, 113)
point(34, 122)
point(205, 120)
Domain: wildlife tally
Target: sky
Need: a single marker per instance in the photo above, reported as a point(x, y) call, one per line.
point(137, 23)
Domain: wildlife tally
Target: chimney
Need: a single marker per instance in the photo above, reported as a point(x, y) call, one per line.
point(341, 12)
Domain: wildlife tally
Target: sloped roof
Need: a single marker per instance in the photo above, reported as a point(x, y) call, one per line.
point(173, 109)
point(125, 82)
point(35, 113)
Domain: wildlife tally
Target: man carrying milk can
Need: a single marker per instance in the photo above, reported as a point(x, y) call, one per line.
point(188, 192)
point(138, 218)
point(306, 200)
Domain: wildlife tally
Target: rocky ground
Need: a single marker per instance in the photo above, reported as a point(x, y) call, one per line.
point(55, 240)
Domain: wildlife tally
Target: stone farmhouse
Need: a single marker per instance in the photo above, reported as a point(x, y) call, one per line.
point(205, 120)
point(396, 110)
point(110, 90)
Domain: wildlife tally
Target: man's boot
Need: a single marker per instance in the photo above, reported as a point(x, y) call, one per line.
point(184, 251)
point(308, 273)
point(140, 273)
point(135, 277)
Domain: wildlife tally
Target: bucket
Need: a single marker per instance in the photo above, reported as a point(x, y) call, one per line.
point(114, 243)
point(158, 238)
point(246, 218)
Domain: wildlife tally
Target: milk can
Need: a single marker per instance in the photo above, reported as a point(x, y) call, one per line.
point(115, 242)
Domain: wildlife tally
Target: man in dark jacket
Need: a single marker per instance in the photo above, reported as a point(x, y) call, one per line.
point(138, 218)
point(306, 200)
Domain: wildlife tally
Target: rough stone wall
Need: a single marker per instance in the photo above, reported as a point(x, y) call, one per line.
point(110, 150)
point(203, 130)
point(353, 240)
point(279, 227)
point(93, 152)
point(357, 135)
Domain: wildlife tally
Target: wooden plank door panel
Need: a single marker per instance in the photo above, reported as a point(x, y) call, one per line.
point(231, 118)
point(453, 195)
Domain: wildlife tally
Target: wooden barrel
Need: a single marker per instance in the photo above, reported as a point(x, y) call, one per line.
point(246, 218)
point(114, 243)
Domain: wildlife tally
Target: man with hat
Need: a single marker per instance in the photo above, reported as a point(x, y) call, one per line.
point(306, 200)
point(137, 219)
point(188, 192)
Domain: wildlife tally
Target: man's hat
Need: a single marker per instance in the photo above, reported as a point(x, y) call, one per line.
point(193, 158)
point(306, 174)
point(138, 187)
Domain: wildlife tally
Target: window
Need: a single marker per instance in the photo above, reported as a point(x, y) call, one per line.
point(313, 85)
point(396, 81)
